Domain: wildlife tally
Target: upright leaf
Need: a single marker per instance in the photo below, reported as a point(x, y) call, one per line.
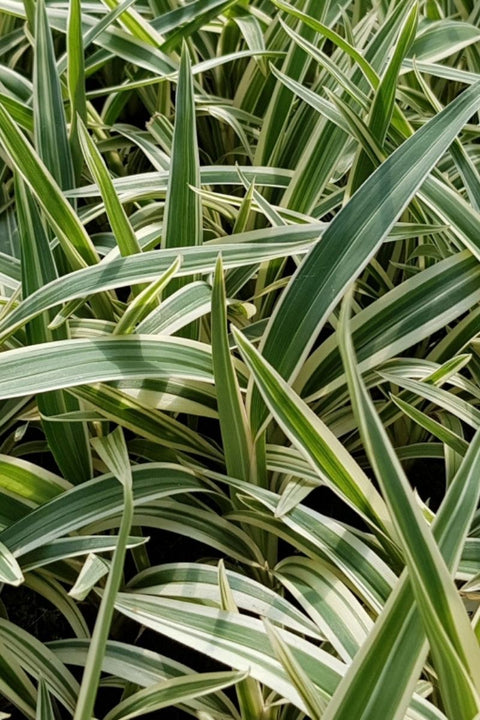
point(51, 137)
point(67, 441)
point(44, 703)
point(76, 79)
point(453, 644)
point(231, 410)
point(384, 99)
point(113, 451)
point(119, 222)
point(183, 212)
point(76, 244)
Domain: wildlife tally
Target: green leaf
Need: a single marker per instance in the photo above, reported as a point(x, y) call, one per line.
point(75, 242)
point(51, 138)
point(145, 302)
point(331, 35)
point(384, 99)
point(76, 79)
point(432, 426)
point(144, 668)
point(44, 704)
point(202, 582)
point(233, 419)
point(185, 20)
point(106, 358)
point(399, 319)
point(380, 676)
point(15, 684)
point(187, 304)
point(453, 645)
point(94, 501)
point(10, 572)
point(68, 442)
point(144, 184)
point(69, 547)
point(237, 640)
point(32, 482)
point(125, 410)
point(315, 441)
point(172, 692)
point(119, 222)
point(352, 238)
point(442, 39)
point(182, 225)
point(112, 449)
point(314, 702)
point(145, 267)
point(328, 601)
point(319, 537)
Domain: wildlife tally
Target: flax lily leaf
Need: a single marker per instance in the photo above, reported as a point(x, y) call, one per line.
point(171, 692)
point(443, 616)
point(305, 297)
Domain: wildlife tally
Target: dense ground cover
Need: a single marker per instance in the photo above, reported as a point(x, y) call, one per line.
point(239, 378)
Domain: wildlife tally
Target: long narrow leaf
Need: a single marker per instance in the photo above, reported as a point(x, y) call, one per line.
point(352, 238)
point(454, 648)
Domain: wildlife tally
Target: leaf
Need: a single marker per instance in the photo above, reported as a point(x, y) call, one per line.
point(383, 104)
point(112, 449)
point(146, 183)
point(320, 537)
point(306, 304)
point(44, 704)
point(432, 426)
point(368, 677)
point(119, 222)
point(313, 700)
point(396, 321)
point(76, 79)
point(10, 572)
point(182, 225)
point(92, 502)
point(448, 629)
point(316, 442)
point(106, 358)
point(145, 302)
point(51, 138)
point(32, 482)
point(442, 39)
point(187, 304)
point(74, 240)
point(328, 601)
point(68, 442)
point(231, 410)
point(237, 640)
point(146, 266)
point(125, 410)
point(68, 547)
point(144, 668)
point(185, 20)
point(172, 692)
point(202, 581)
point(15, 684)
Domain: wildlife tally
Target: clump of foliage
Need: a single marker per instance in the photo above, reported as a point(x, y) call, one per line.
point(239, 378)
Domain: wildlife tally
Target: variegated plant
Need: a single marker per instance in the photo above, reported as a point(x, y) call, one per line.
point(239, 304)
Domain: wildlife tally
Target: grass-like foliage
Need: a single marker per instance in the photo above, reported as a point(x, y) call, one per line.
point(239, 367)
